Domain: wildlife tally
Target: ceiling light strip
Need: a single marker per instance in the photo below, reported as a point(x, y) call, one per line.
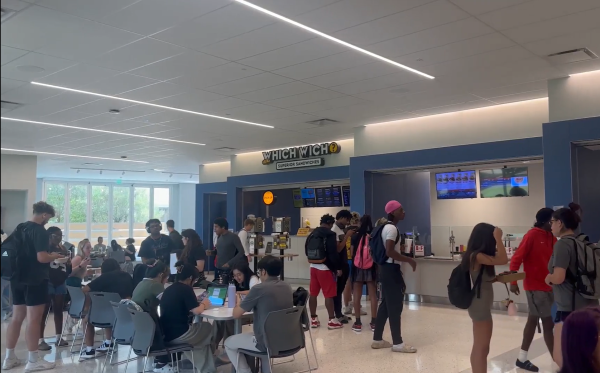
point(278, 16)
point(70, 155)
point(100, 131)
point(149, 104)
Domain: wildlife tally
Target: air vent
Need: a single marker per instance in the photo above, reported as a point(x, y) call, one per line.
point(570, 56)
point(7, 105)
point(322, 122)
point(225, 149)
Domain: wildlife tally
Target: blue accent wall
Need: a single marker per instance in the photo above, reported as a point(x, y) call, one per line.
point(500, 150)
point(284, 207)
point(203, 207)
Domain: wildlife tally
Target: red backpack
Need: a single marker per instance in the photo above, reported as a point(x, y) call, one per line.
point(363, 259)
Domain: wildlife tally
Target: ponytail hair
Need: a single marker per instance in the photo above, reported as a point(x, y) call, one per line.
point(185, 271)
point(154, 268)
point(569, 216)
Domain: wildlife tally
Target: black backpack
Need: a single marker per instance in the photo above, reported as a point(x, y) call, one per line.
point(14, 251)
point(460, 291)
point(316, 249)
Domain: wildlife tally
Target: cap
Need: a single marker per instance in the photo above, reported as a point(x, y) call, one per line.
point(392, 206)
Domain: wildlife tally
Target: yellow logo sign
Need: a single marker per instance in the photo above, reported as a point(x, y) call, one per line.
point(268, 198)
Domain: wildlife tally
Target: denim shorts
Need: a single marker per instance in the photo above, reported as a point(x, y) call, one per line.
point(56, 290)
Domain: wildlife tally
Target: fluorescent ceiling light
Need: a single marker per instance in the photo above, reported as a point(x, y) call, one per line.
point(278, 16)
point(70, 155)
point(97, 130)
point(149, 104)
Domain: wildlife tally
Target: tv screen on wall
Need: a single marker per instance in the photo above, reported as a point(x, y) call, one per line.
point(297, 195)
point(504, 182)
point(456, 185)
point(346, 195)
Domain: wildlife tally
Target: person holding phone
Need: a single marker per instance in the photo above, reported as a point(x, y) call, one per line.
point(342, 219)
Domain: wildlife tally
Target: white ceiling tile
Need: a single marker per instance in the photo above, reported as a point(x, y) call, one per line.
point(353, 74)
point(569, 24)
point(455, 107)
point(79, 76)
point(120, 83)
point(35, 27)
point(431, 38)
point(289, 8)
point(88, 42)
point(52, 105)
point(227, 22)
point(103, 106)
point(280, 91)
point(90, 9)
point(249, 84)
point(348, 13)
point(11, 54)
point(29, 93)
point(49, 65)
point(534, 11)
point(259, 41)
point(135, 55)
point(15, 5)
point(413, 20)
point(191, 100)
point(328, 104)
point(304, 98)
point(8, 84)
point(216, 75)
point(377, 83)
point(476, 7)
point(325, 65)
point(426, 100)
point(155, 91)
point(219, 105)
point(512, 89)
point(271, 117)
point(588, 39)
point(65, 116)
point(531, 95)
point(181, 65)
point(151, 16)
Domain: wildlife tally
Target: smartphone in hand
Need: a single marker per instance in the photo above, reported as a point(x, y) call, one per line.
point(202, 296)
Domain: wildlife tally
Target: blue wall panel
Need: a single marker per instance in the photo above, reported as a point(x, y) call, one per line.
point(203, 225)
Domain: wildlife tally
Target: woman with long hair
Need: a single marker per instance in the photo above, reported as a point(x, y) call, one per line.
point(581, 342)
point(484, 251)
point(244, 278)
point(364, 271)
point(82, 258)
point(146, 292)
point(193, 252)
point(565, 222)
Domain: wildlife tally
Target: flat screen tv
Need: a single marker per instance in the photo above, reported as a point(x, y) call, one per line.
point(504, 182)
point(456, 185)
point(336, 196)
point(307, 193)
point(320, 196)
point(297, 195)
point(346, 195)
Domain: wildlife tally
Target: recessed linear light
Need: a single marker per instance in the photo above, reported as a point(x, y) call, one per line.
point(278, 16)
point(70, 155)
point(149, 104)
point(97, 130)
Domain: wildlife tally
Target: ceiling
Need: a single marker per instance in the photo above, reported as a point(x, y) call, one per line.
point(224, 58)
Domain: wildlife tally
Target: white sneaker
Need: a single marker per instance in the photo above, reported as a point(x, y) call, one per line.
point(348, 310)
point(165, 369)
point(39, 365)
point(11, 363)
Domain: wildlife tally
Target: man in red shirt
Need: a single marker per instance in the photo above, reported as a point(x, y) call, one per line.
point(534, 253)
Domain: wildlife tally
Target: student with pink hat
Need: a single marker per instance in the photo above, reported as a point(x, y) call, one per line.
point(392, 282)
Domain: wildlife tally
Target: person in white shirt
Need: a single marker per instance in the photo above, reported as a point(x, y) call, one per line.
point(244, 278)
point(392, 282)
point(245, 237)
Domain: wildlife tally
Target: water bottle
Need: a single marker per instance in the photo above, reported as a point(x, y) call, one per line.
point(231, 296)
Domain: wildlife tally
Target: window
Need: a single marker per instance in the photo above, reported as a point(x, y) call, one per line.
point(100, 228)
point(55, 196)
point(78, 206)
point(141, 213)
point(121, 214)
point(161, 206)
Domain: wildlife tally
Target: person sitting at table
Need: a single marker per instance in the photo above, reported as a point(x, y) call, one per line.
point(152, 285)
point(111, 280)
point(244, 278)
point(176, 304)
point(272, 294)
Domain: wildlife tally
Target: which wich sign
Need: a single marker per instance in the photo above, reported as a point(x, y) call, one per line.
point(301, 156)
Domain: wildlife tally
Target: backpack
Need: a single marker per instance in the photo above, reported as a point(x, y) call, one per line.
point(14, 249)
point(460, 291)
point(377, 246)
point(316, 249)
point(363, 259)
point(587, 278)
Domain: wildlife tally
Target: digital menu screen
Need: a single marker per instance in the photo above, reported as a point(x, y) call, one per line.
point(336, 196)
point(346, 195)
point(309, 202)
point(456, 185)
point(320, 196)
point(297, 196)
point(307, 193)
point(504, 182)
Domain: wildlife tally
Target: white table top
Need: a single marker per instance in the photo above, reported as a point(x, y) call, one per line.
point(217, 312)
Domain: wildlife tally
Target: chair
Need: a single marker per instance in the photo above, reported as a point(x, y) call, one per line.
point(144, 337)
point(96, 262)
point(305, 320)
point(76, 311)
point(118, 255)
point(123, 331)
point(101, 314)
point(284, 336)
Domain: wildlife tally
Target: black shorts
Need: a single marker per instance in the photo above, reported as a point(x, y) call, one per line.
point(561, 316)
point(29, 295)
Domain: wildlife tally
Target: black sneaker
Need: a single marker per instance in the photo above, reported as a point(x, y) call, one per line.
point(357, 327)
point(104, 347)
point(527, 365)
point(344, 319)
point(88, 354)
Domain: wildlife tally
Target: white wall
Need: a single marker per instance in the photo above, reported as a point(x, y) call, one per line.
point(503, 122)
point(214, 172)
point(512, 214)
point(187, 206)
point(14, 205)
point(577, 96)
point(251, 163)
point(19, 173)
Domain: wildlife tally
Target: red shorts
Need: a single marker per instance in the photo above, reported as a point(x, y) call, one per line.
point(322, 280)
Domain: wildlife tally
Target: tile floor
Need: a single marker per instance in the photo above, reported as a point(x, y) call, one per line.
point(441, 334)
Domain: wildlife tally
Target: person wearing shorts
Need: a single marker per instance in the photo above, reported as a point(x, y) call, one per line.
point(323, 276)
point(534, 253)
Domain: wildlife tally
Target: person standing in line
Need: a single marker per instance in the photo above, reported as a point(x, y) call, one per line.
point(229, 247)
point(174, 235)
point(29, 286)
point(323, 274)
point(392, 282)
point(534, 253)
point(342, 219)
point(363, 274)
point(157, 245)
point(245, 237)
point(485, 250)
point(562, 267)
point(100, 247)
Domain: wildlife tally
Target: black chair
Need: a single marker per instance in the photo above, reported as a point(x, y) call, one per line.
point(76, 311)
point(144, 336)
point(284, 336)
point(101, 314)
point(123, 331)
point(300, 299)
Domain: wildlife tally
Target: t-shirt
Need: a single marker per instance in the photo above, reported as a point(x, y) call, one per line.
point(254, 280)
point(113, 282)
point(197, 253)
point(563, 256)
point(229, 250)
point(100, 247)
point(145, 293)
point(58, 271)
point(271, 295)
point(175, 305)
point(160, 249)
point(131, 256)
point(339, 236)
point(177, 240)
point(38, 241)
point(390, 232)
point(243, 235)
